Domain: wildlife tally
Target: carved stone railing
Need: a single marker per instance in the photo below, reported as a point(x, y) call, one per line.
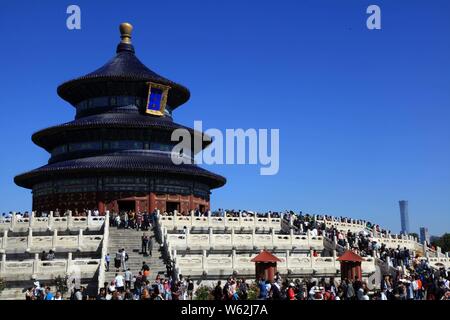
point(250, 241)
point(220, 264)
point(55, 242)
point(74, 223)
point(102, 266)
point(205, 222)
point(46, 270)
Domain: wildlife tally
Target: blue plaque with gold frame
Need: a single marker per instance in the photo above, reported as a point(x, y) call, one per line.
point(156, 99)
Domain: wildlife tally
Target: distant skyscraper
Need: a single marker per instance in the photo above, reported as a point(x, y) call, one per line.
point(424, 235)
point(404, 218)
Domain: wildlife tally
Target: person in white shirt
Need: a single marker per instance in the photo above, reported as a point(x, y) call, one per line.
point(124, 259)
point(119, 282)
point(58, 296)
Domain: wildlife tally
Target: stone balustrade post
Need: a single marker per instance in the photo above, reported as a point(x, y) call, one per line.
point(12, 225)
point(80, 239)
point(301, 227)
point(50, 221)
point(291, 220)
point(287, 259)
point(233, 242)
point(233, 260)
point(291, 233)
point(69, 263)
point(308, 236)
point(31, 219)
point(3, 266)
point(36, 263)
point(336, 262)
point(211, 238)
point(272, 233)
point(5, 239)
point(253, 237)
point(29, 239)
point(70, 219)
point(89, 219)
point(187, 232)
point(54, 239)
point(174, 255)
point(204, 261)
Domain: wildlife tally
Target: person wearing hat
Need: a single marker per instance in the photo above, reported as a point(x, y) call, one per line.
point(291, 291)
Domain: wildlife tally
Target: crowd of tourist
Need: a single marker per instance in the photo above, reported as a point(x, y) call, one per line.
point(409, 279)
point(133, 220)
point(420, 283)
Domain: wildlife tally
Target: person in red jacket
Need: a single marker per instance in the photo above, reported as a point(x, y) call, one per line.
point(291, 292)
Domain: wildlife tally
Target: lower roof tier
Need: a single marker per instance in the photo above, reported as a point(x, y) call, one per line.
point(130, 124)
point(119, 164)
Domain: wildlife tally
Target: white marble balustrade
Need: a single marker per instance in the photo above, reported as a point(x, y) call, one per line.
point(191, 221)
point(32, 243)
point(356, 226)
point(20, 224)
point(45, 270)
point(438, 262)
point(221, 264)
point(228, 241)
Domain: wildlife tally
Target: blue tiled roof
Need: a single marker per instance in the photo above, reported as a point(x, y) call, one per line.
point(116, 164)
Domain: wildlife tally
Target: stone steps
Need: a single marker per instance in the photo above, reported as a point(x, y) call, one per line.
point(130, 240)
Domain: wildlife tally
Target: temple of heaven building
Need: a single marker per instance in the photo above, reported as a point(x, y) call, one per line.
point(116, 154)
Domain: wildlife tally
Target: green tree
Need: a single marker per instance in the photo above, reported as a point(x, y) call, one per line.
point(202, 293)
point(443, 242)
point(414, 235)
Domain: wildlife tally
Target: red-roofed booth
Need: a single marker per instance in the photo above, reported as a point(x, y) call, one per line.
point(350, 265)
point(265, 265)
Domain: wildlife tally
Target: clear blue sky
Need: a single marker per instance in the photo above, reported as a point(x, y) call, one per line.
point(363, 115)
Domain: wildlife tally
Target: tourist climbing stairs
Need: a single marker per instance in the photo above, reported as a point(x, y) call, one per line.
point(130, 240)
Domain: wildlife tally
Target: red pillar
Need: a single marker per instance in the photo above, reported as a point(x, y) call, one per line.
point(151, 202)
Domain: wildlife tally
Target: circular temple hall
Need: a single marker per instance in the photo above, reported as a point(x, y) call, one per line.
point(117, 153)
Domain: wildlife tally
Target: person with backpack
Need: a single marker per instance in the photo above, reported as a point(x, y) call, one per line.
point(262, 289)
point(218, 293)
point(145, 270)
point(144, 244)
point(190, 289)
point(243, 290)
point(118, 260)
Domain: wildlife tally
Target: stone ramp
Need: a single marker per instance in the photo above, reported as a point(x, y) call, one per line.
point(130, 239)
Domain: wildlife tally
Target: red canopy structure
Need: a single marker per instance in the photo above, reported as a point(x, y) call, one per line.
point(350, 265)
point(265, 265)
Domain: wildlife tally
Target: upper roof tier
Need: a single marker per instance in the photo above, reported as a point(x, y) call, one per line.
point(124, 75)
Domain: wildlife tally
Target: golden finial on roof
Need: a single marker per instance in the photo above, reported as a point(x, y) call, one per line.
point(125, 32)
